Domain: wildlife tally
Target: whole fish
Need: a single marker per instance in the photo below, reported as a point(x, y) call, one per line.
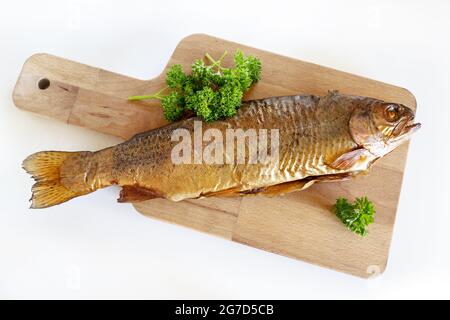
point(312, 139)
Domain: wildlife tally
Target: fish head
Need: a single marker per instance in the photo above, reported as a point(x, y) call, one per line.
point(380, 127)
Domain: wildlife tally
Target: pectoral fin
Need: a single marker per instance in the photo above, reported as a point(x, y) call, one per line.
point(137, 194)
point(349, 159)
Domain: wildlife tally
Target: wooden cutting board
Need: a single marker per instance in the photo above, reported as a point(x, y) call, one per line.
point(299, 225)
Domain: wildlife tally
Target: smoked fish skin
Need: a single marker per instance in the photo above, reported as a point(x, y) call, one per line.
point(317, 139)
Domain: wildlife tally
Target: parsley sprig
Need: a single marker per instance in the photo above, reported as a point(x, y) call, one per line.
point(211, 91)
point(356, 216)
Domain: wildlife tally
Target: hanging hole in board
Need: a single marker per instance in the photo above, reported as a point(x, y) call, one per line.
point(43, 84)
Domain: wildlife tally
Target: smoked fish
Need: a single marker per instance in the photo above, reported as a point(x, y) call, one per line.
point(271, 146)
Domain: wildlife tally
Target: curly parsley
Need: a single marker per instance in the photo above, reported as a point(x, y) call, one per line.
point(356, 216)
point(211, 91)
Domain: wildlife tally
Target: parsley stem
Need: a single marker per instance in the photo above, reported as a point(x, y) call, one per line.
point(145, 97)
point(217, 63)
point(210, 59)
point(150, 96)
point(223, 56)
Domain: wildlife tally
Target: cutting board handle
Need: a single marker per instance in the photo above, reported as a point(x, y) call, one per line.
point(86, 96)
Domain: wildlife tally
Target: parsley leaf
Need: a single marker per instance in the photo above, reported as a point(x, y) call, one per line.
point(356, 216)
point(171, 106)
point(211, 91)
point(175, 77)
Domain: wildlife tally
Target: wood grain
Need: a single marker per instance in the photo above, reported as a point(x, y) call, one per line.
point(299, 225)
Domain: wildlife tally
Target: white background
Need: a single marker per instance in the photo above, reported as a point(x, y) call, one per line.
point(93, 247)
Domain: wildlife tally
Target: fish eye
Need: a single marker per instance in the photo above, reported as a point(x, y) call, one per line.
point(392, 113)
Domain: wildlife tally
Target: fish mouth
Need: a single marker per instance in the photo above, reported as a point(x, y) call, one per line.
point(405, 129)
point(406, 125)
point(413, 127)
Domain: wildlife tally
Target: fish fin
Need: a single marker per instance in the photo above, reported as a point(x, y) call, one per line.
point(232, 192)
point(281, 188)
point(287, 187)
point(45, 169)
point(273, 190)
point(136, 193)
point(336, 177)
point(302, 184)
point(349, 159)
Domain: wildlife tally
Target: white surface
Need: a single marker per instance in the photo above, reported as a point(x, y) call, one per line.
point(92, 247)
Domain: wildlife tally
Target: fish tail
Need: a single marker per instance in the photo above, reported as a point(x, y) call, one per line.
point(45, 168)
